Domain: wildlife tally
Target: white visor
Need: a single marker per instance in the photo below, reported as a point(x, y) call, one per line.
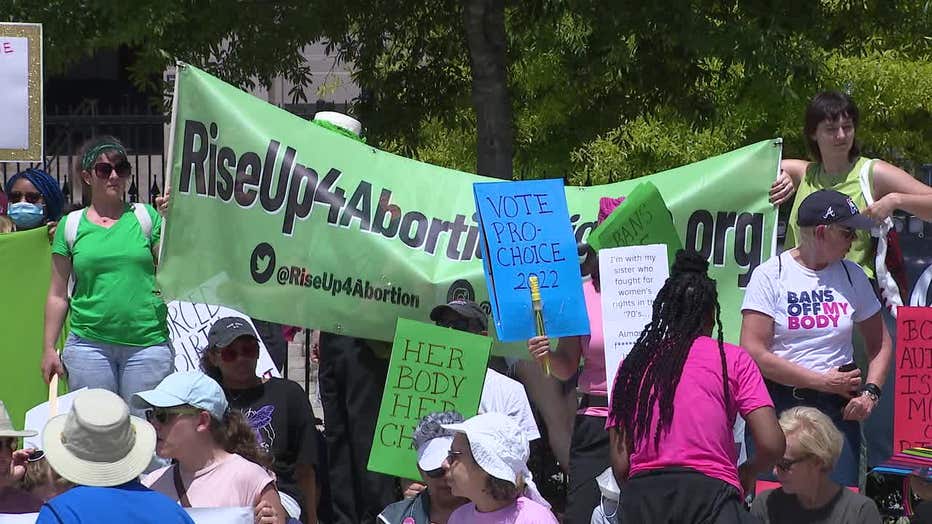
point(431, 455)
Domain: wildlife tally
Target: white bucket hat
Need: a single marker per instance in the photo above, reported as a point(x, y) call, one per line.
point(98, 443)
point(6, 426)
point(500, 448)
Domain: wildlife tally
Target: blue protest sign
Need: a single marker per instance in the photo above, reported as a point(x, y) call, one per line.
point(527, 232)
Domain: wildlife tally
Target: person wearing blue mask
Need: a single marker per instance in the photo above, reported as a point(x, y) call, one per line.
point(35, 199)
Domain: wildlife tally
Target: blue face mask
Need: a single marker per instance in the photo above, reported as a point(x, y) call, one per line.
point(26, 215)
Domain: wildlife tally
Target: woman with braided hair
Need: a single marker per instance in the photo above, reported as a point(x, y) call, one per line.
point(674, 404)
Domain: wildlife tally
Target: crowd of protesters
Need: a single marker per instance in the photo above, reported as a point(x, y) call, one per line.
point(141, 443)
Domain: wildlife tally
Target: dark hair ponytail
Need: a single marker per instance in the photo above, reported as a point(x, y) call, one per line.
point(650, 374)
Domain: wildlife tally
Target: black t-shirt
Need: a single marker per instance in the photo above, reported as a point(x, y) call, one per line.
point(283, 419)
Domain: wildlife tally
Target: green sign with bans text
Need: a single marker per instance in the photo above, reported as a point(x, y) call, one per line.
point(642, 219)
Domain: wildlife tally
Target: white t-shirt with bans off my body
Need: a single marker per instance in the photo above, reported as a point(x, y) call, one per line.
point(814, 312)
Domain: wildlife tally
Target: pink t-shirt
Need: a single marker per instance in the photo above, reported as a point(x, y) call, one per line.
point(523, 511)
point(700, 435)
point(592, 378)
point(232, 482)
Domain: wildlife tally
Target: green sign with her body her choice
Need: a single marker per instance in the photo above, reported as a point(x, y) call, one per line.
point(431, 369)
point(642, 219)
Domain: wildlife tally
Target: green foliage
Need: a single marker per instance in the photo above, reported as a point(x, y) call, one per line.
point(600, 91)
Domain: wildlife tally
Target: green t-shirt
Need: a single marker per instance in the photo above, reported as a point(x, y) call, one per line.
point(862, 248)
point(115, 298)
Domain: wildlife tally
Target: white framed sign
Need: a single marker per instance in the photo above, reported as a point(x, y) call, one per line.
point(21, 135)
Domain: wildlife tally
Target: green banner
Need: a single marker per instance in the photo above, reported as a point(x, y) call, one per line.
point(289, 222)
point(432, 369)
point(25, 262)
point(642, 219)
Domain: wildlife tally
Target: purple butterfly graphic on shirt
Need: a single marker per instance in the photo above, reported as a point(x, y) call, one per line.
point(260, 420)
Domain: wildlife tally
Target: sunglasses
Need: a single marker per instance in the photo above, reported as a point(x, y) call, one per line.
point(846, 232)
point(435, 473)
point(453, 456)
point(231, 353)
point(29, 196)
point(163, 415)
point(8, 443)
point(103, 169)
point(36, 455)
point(784, 465)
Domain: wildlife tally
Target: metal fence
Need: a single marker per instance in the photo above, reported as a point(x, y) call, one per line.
point(141, 129)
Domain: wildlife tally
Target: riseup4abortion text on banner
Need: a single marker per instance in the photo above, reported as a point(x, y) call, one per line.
point(285, 221)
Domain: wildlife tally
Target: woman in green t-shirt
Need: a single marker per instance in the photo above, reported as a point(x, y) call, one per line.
point(830, 124)
point(119, 338)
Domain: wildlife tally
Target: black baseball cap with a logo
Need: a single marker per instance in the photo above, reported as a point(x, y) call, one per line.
point(827, 206)
point(226, 330)
point(464, 308)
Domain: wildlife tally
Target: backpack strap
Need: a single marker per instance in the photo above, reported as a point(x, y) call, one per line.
point(844, 265)
point(889, 291)
point(145, 221)
point(72, 220)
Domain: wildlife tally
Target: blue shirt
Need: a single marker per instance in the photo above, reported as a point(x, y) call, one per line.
point(131, 503)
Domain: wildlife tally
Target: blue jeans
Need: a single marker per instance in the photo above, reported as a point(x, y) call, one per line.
point(124, 370)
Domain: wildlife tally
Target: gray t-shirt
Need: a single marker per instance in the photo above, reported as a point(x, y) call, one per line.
point(776, 507)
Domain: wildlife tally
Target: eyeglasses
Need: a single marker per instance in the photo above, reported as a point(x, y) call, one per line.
point(29, 196)
point(453, 456)
point(230, 353)
point(162, 415)
point(103, 169)
point(784, 465)
point(459, 324)
point(436, 473)
point(846, 232)
point(36, 455)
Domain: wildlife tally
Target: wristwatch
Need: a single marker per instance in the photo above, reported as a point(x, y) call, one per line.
point(871, 390)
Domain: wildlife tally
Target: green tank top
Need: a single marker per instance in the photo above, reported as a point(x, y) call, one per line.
point(862, 248)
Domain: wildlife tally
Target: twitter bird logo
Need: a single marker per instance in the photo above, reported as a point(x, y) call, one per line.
point(262, 263)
